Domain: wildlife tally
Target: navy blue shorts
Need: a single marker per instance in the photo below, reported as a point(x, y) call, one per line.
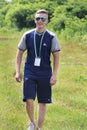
point(37, 87)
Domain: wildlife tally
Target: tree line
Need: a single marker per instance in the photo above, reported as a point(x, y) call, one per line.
point(68, 17)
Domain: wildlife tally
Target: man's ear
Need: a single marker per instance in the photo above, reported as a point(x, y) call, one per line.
point(34, 21)
point(47, 21)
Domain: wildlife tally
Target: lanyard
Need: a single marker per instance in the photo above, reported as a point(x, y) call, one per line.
point(40, 44)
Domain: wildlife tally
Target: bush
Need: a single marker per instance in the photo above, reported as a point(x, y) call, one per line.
point(20, 17)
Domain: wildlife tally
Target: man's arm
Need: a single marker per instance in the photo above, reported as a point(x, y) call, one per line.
point(18, 76)
point(55, 68)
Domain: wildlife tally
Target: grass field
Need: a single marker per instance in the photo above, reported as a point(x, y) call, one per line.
point(69, 108)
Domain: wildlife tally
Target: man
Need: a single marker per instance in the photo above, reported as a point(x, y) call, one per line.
point(38, 74)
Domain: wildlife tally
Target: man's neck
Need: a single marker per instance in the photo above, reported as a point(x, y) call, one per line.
point(40, 30)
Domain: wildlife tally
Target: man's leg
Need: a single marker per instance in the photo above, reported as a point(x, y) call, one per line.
point(30, 109)
point(41, 114)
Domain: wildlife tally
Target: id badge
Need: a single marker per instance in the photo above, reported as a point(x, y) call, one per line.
point(37, 61)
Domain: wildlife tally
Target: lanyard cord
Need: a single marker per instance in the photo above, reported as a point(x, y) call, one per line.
point(40, 44)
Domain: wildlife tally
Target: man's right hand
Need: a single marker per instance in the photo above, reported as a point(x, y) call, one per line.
point(18, 77)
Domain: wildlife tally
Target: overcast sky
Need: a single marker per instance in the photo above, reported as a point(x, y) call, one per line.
point(8, 0)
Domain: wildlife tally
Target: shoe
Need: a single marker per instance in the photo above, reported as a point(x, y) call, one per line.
point(31, 126)
point(38, 128)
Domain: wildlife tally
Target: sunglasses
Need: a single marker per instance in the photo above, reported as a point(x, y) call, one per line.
point(42, 19)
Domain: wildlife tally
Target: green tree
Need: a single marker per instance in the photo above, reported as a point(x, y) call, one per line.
point(20, 16)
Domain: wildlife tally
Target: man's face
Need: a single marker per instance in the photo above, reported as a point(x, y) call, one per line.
point(41, 20)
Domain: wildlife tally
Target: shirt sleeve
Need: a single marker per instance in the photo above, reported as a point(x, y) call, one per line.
point(22, 43)
point(55, 44)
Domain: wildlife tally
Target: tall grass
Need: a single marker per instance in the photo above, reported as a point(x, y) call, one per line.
point(69, 108)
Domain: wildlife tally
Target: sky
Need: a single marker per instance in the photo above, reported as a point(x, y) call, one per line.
point(8, 0)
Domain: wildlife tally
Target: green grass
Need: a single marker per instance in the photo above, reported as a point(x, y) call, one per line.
point(69, 108)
